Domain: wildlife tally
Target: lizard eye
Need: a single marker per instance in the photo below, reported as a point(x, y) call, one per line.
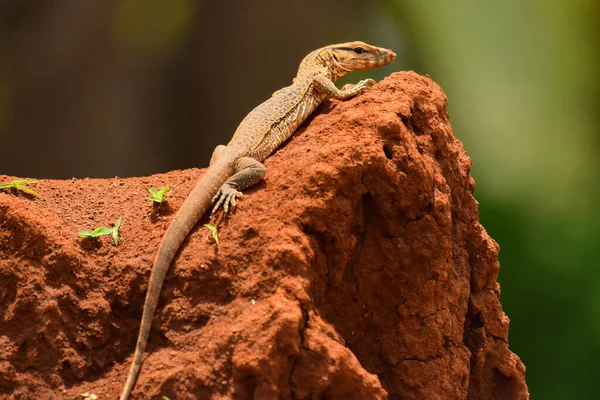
point(359, 50)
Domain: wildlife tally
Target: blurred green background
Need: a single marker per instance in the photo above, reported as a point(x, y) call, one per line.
point(522, 78)
point(133, 87)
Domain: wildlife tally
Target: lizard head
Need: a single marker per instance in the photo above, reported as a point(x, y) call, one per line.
point(353, 56)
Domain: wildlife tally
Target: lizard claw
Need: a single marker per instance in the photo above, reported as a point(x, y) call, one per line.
point(225, 197)
point(366, 82)
point(359, 87)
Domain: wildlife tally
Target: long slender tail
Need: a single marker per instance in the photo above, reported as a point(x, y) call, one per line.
point(192, 209)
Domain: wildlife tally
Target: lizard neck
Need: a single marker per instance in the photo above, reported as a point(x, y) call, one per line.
point(321, 62)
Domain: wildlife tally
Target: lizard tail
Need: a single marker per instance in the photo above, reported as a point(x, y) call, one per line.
point(192, 209)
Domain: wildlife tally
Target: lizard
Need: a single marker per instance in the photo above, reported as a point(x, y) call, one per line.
point(238, 165)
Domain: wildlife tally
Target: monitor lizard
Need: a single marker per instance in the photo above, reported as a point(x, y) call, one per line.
point(237, 166)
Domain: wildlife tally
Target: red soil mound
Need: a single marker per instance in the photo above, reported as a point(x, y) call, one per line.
point(357, 270)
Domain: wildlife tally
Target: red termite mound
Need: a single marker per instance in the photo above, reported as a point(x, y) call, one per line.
point(357, 270)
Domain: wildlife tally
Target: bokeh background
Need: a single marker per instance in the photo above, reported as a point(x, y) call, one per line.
point(101, 88)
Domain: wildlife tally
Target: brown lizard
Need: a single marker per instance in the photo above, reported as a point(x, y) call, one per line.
point(237, 166)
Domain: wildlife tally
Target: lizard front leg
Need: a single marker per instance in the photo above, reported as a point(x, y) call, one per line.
point(248, 172)
point(323, 84)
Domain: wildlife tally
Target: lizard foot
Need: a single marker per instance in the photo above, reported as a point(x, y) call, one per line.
point(360, 85)
point(225, 197)
point(365, 83)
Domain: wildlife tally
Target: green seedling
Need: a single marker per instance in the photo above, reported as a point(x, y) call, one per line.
point(101, 231)
point(115, 232)
point(159, 196)
point(20, 185)
point(165, 398)
point(214, 230)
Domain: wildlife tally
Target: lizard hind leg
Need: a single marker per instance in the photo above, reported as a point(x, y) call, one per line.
point(248, 172)
point(217, 153)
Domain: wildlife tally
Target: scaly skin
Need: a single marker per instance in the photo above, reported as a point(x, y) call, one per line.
point(237, 166)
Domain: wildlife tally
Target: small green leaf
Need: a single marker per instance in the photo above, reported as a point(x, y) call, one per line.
point(95, 233)
point(19, 185)
point(27, 190)
point(23, 182)
point(214, 230)
point(115, 231)
point(165, 398)
point(100, 231)
point(158, 195)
